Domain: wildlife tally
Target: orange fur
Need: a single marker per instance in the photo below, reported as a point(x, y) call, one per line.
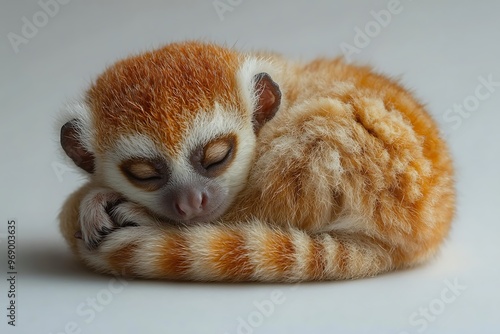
point(351, 178)
point(174, 81)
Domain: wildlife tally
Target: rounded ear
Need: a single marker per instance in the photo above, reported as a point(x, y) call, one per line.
point(268, 99)
point(71, 144)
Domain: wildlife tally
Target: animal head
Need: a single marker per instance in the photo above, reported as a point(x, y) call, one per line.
point(174, 129)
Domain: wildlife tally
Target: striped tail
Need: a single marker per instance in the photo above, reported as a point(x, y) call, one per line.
point(246, 252)
point(251, 251)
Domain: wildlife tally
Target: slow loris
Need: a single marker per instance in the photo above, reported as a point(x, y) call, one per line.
point(205, 163)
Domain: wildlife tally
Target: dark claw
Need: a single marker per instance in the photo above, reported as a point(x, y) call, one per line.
point(111, 205)
point(78, 234)
point(130, 224)
point(105, 231)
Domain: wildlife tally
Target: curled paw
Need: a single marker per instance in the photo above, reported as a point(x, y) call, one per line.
point(103, 211)
point(95, 217)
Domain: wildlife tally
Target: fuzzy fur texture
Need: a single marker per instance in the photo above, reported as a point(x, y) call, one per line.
point(350, 178)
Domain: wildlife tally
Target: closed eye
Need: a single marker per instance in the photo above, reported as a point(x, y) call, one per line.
point(144, 178)
point(216, 156)
point(213, 158)
point(144, 172)
point(217, 152)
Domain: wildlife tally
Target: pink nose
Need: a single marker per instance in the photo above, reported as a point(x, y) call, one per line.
point(190, 203)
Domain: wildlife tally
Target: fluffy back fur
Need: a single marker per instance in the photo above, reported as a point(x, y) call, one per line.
point(350, 178)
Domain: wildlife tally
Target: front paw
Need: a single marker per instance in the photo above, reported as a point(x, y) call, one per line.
point(96, 220)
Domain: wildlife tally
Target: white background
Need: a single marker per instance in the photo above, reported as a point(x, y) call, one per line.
point(438, 49)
